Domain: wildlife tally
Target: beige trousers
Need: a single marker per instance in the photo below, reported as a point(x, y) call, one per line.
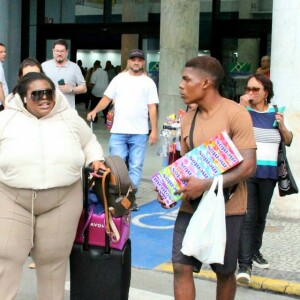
point(48, 234)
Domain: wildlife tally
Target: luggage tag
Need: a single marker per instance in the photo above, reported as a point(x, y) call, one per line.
point(126, 203)
point(123, 200)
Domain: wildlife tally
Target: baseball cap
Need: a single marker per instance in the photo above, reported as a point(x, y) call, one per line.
point(136, 53)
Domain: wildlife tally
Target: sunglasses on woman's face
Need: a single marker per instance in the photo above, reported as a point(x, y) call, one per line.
point(249, 89)
point(42, 94)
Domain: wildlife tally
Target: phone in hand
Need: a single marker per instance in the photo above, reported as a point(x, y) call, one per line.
point(61, 82)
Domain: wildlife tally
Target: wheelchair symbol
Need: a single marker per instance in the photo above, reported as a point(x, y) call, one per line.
point(141, 220)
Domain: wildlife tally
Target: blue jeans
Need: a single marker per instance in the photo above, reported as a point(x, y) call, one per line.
point(260, 192)
point(131, 148)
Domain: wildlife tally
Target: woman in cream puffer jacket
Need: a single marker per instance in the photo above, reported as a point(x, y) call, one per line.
point(43, 146)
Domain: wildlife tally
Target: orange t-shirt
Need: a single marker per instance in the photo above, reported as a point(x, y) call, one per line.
point(236, 121)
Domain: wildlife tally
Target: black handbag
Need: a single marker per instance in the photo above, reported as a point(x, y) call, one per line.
point(286, 182)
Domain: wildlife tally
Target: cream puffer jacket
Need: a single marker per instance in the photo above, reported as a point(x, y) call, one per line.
point(47, 152)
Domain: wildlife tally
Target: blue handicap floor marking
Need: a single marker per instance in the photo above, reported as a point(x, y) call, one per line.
point(152, 234)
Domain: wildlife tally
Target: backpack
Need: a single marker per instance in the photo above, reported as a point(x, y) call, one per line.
point(120, 190)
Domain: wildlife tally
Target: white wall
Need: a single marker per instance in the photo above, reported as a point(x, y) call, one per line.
point(88, 57)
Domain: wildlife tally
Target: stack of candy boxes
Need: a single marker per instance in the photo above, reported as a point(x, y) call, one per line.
point(210, 159)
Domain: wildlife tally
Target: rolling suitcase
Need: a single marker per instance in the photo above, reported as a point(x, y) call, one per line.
point(96, 272)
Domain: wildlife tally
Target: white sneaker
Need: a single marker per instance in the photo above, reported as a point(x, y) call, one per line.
point(244, 275)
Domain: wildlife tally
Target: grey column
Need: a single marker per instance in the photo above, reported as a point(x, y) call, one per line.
point(132, 11)
point(179, 40)
point(285, 69)
point(10, 35)
point(4, 23)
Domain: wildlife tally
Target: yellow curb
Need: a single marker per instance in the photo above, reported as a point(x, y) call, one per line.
point(293, 289)
point(275, 285)
point(165, 267)
point(257, 282)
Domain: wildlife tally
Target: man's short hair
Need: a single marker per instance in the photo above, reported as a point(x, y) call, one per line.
point(61, 42)
point(97, 63)
point(209, 65)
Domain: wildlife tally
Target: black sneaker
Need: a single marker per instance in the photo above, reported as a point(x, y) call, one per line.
point(244, 275)
point(134, 207)
point(259, 261)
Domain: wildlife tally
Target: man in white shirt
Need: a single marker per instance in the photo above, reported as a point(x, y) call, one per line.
point(3, 84)
point(135, 100)
point(65, 74)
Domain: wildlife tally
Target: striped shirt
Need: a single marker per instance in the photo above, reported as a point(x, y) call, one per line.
point(267, 137)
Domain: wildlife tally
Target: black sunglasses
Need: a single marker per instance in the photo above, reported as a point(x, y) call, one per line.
point(42, 94)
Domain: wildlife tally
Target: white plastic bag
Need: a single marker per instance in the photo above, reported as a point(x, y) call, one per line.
point(205, 236)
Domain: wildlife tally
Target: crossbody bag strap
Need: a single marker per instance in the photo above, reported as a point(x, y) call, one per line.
point(276, 111)
point(106, 211)
point(107, 229)
point(192, 129)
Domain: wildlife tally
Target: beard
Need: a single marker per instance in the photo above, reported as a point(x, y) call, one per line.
point(60, 60)
point(136, 70)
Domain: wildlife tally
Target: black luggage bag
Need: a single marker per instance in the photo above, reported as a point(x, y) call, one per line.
point(99, 273)
point(96, 275)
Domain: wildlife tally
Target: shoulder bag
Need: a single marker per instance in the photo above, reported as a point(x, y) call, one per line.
point(286, 182)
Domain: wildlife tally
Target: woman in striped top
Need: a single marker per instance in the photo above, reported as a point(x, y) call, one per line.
point(269, 128)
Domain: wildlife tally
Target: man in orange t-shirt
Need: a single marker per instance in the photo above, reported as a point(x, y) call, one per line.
point(201, 79)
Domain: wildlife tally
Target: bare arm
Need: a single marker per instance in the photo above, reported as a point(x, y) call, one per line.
point(153, 122)
point(68, 89)
point(79, 89)
point(286, 135)
point(102, 104)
